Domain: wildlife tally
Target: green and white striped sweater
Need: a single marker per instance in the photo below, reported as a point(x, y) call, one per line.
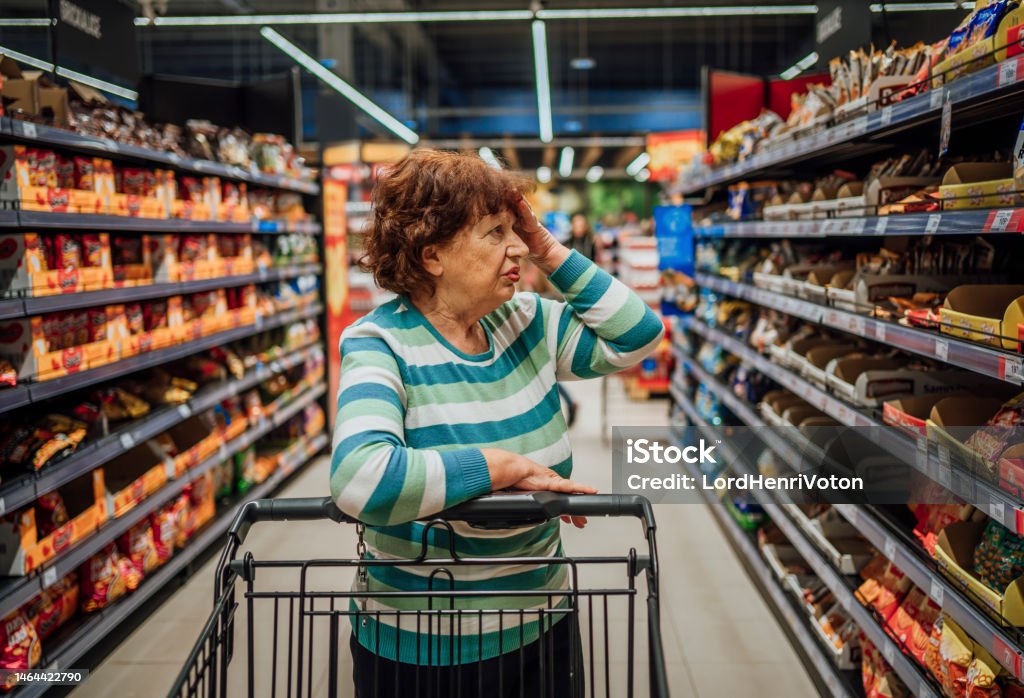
point(413, 414)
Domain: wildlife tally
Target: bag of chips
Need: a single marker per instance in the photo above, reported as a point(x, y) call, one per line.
point(139, 547)
point(956, 652)
point(22, 649)
point(165, 528)
point(51, 513)
point(103, 580)
point(999, 556)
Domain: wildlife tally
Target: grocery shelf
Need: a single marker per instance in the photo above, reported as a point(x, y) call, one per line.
point(38, 392)
point(998, 504)
point(765, 580)
point(15, 591)
point(989, 362)
point(89, 299)
point(100, 624)
point(8, 218)
point(1003, 220)
point(49, 220)
point(912, 675)
point(38, 134)
point(966, 92)
point(22, 491)
point(1003, 645)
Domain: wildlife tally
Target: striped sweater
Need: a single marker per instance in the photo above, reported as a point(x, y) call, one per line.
point(413, 414)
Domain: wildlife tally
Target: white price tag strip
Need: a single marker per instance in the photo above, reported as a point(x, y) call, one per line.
point(887, 115)
point(937, 591)
point(1007, 72)
point(127, 440)
point(880, 331)
point(922, 455)
point(881, 225)
point(924, 690)
point(3, 506)
point(889, 651)
point(934, 221)
point(49, 577)
point(889, 548)
point(935, 101)
point(1001, 221)
point(1011, 368)
point(185, 411)
point(941, 350)
point(996, 510)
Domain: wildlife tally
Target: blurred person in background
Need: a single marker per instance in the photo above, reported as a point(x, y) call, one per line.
point(582, 239)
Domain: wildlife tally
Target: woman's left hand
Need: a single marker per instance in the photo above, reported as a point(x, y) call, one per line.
point(577, 521)
point(545, 251)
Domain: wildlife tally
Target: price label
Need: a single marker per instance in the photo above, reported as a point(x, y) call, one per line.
point(232, 389)
point(922, 455)
point(1007, 72)
point(943, 452)
point(845, 598)
point(184, 411)
point(887, 115)
point(259, 321)
point(937, 592)
point(49, 577)
point(844, 414)
point(276, 367)
point(944, 475)
point(1001, 221)
point(889, 651)
point(936, 99)
point(1006, 655)
point(1011, 368)
point(946, 126)
point(941, 350)
point(127, 440)
point(889, 548)
point(934, 220)
point(996, 510)
point(3, 506)
point(29, 129)
point(881, 225)
point(851, 514)
point(222, 452)
point(880, 331)
point(856, 325)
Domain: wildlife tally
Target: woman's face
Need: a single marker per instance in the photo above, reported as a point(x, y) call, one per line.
point(481, 265)
point(579, 225)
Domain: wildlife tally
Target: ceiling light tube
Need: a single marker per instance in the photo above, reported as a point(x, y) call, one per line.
point(337, 18)
point(667, 12)
point(336, 83)
point(26, 59)
point(643, 175)
point(639, 163)
point(595, 173)
point(565, 163)
point(543, 175)
point(540, 64)
point(921, 6)
point(89, 80)
point(26, 22)
point(487, 155)
point(800, 66)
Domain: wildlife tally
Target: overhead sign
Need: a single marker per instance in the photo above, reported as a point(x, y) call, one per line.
point(97, 36)
point(841, 26)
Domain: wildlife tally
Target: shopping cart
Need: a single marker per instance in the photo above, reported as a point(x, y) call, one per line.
point(298, 616)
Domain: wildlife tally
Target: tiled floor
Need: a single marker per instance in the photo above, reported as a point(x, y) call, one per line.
point(719, 637)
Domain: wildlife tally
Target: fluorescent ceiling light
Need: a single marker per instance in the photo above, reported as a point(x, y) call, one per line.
point(582, 63)
point(338, 18)
point(487, 155)
point(336, 83)
point(921, 6)
point(800, 66)
point(663, 12)
point(643, 175)
point(543, 175)
point(540, 65)
point(565, 163)
point(29, 22)
point(638, 164)
point(595, 173)
point(89, 80)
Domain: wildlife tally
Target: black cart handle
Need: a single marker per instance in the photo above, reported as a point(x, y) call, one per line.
point(490, 511)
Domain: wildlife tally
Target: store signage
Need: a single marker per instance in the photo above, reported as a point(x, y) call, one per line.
point(841, 26)
point(97, 37)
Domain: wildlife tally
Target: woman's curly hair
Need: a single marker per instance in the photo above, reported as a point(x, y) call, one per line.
point(425, 199)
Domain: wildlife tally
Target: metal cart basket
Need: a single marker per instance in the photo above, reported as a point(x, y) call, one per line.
point(298, 613)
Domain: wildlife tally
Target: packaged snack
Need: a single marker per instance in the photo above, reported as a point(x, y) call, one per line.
point(103, 580)
point(92, 250)
point(79, 320)
point(97, 318)
point(8, 374)
point(65, 172)
point(999, 557)
point(956, 652)
point(22, 649)
point(84, 174)
point(164, 525)
point(135, 181)
point(51, 513)
point(133, 314)
point(885, 589)
point(180, 512)
point(66, 323)
point(932, 657)
point(913, 621)
point(139, 547)
point(155, 315)
point(982, 674)
point(1004, 429)
point(68, 251)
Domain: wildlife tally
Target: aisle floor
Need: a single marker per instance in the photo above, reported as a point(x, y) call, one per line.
point(720, 638)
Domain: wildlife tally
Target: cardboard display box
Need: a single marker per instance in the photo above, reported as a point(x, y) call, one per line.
point(859, 292)
point(24, 270)
point(816, 364)
point(952, 421)
point(978, 185)
point(23, 343)
point(988, 314)
point(196, 439)
point(910, 414)
point(22, 550)
point(954, 552)
point(133, 476)
point(869, 382)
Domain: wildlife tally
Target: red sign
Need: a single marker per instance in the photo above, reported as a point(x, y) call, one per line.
point(671, 151)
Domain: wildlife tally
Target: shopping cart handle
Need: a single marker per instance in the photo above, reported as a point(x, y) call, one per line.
point(298, 509)
point(502, 510)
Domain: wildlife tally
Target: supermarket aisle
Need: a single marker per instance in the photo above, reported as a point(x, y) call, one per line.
point(720, 638)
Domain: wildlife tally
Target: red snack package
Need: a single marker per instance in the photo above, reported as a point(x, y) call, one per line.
point(913, 621)
point(180, 511)
point(103, 580)
point(84, 171)
point(97, 324)
point(193, 189)
point(65, 172)
point(136, 322)
point(68, 252)
point(165, 528)
point(52, 331)
point(192, 248)
point(21, 647)
point(138, 547)
point(127, 249)
point(136, 181)
point(68, 590)
point(46, 169)
point(80, 327)
point(51, 513)
point(155, 315)
point(92, 250)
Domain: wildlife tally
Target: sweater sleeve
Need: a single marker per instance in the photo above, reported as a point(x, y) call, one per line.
point(602, 327)
point(375, 477)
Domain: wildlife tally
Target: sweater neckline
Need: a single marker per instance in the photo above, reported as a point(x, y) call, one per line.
point(483, 356)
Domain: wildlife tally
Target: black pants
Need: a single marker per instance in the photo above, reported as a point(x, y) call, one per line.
point(512, 674)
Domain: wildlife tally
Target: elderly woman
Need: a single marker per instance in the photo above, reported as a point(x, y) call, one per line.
point(448, 393)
